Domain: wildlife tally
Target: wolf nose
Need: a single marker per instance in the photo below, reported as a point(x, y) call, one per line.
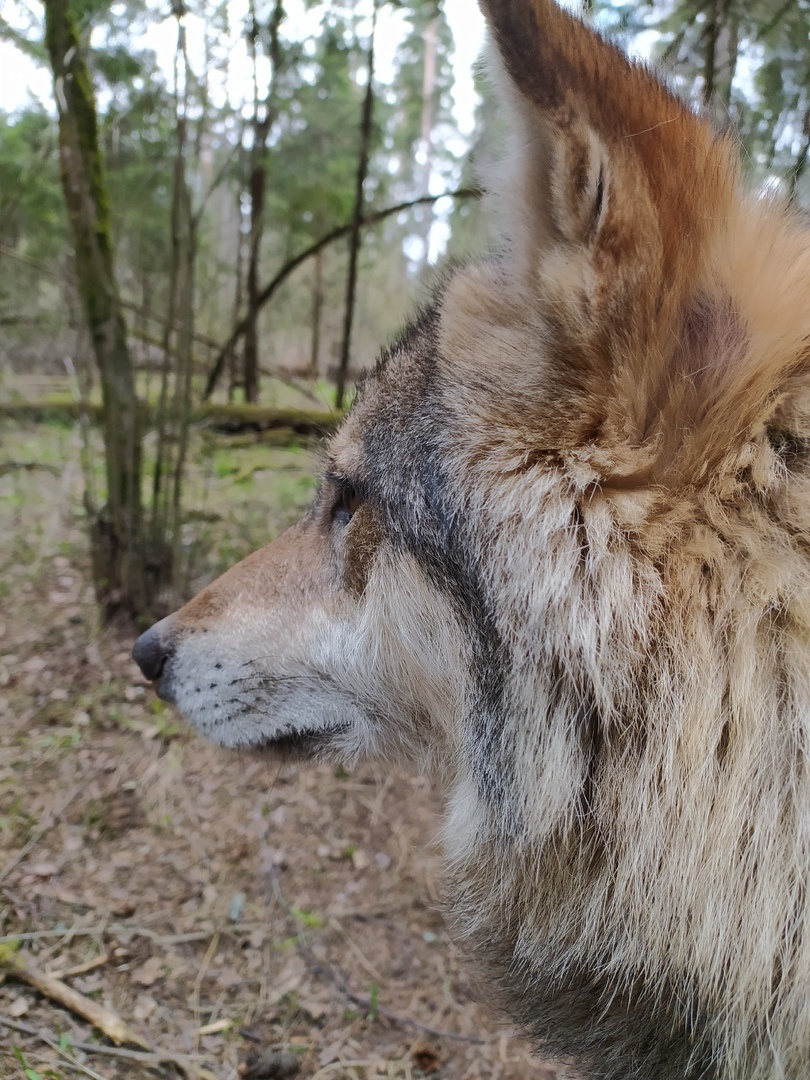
point(151, 651)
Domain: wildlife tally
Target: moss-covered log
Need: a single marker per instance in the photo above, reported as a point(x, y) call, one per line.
point(227, 417)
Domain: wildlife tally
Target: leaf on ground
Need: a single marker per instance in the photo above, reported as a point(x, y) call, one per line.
point(147, 974)
point(42, 869)
point(19, 1007)
point(144, 1007)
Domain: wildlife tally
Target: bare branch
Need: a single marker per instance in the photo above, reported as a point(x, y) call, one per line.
point(293, 264)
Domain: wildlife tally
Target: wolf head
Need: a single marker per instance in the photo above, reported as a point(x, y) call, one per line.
point(559, 555)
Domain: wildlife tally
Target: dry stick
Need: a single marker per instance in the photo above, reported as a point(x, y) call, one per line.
point(69, 1060)
point(136, 931)
point(81, 969)
point(152, 1060)
point(204, 966)
point(333, 1066)
point(39, 935)
point(18, 965)
point(40, 832)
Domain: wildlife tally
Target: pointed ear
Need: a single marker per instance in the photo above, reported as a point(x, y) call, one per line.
point(612, 180)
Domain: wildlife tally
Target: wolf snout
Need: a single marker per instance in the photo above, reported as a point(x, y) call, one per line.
point(153, 649)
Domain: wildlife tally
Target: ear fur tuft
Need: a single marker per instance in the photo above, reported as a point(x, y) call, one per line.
point(630, 239)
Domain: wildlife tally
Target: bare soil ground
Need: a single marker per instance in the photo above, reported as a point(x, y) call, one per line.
point(260, 921)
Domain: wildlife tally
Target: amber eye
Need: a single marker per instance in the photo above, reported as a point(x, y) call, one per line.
point(346, 504)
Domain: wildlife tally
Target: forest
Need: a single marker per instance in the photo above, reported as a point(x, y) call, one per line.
point(213, 215)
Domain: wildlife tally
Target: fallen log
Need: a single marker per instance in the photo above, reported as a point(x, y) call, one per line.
point(225, 417)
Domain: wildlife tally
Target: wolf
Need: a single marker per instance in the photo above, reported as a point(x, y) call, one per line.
point(560, 558)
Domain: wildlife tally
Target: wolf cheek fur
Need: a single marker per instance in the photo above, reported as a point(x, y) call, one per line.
point(560, 557)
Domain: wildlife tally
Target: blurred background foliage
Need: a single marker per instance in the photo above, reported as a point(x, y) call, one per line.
point(749, 58)
point(250, 169)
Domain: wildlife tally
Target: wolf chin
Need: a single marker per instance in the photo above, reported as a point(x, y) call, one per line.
point(560, 558)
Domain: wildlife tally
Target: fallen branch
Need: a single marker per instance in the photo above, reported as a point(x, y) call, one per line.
point(20, 967)
point(26, 466)
point(227, 417)
point(116, 929)
point(210, 953)
point(67, 1058)
point(151, 1059)
point(81, 969)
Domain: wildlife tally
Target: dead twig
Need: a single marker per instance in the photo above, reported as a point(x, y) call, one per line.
point(81, 969)
point(69, 1059)
point(195, 997)
point(116, 929)
point(26, 1029)
point(152, 1059)
point(67, 932)
point(20, 967)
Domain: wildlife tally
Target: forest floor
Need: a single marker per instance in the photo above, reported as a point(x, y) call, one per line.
point(251, 920)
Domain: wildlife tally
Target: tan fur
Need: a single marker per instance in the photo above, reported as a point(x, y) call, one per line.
point(577, 585)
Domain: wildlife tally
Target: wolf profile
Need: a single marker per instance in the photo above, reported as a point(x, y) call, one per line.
point(560, 557)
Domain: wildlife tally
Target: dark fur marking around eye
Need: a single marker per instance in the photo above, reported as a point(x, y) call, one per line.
point(348, 498)
point(362, 544)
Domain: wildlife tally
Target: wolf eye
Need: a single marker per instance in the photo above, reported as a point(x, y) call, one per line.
point(346, 504)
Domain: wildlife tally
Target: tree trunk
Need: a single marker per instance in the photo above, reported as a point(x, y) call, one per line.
point(798, 169)
point(317, 311)
point(728, 44)
point(355, 235)
point(426, 133)
point(234, 375)
point(263, 116)
point(710, 57)
point(117, 530)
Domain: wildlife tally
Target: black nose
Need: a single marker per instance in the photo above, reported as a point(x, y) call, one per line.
point(152, 650)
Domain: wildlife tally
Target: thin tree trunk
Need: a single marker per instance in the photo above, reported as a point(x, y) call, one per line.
point(317, 311)
point(710, 58)
point(175, 398)
point(263, 117)
point(355, 235)
point(426, 132)
point(730, 46)
point(239, 285)
point(117, 530)
point(798, 169)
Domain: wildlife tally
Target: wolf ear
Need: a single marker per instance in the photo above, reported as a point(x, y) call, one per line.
point(610, 175)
